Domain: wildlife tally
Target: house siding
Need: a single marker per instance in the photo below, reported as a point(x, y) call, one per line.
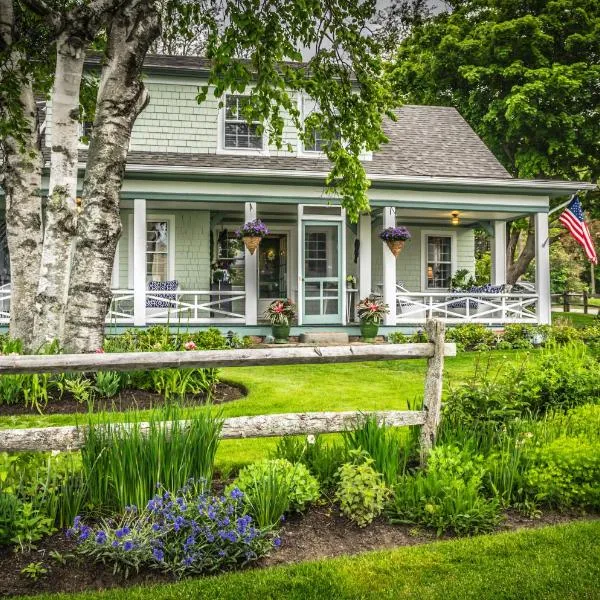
point(192, 248)
point(408, 263)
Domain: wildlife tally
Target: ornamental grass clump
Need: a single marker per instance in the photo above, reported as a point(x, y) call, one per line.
point(275, 487)
point(122, 462)
point(182, 533)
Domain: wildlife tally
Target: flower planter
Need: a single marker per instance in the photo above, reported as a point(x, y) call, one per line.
point(252, 243)
point(395, 246)
point(368, 331)
point(281, 333)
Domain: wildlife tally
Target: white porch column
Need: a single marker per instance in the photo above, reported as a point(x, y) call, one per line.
point(389, 269)
point(499, 253)
point(542, 267)
point(251, 272)
point(364, 256)
point(139, 261)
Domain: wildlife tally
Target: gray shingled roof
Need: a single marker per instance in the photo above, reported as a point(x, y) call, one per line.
point(432, 141)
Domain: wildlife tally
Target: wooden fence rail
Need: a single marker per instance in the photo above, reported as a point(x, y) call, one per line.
point(62, 438)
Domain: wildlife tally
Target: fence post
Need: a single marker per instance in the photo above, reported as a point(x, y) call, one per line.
point(585, 302)
point(566, 307)
point(432, 403)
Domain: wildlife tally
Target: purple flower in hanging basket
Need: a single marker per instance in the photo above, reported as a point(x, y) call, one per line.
point(392, 234)
point(254, 228)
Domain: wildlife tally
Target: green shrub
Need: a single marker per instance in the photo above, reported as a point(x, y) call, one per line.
point(471, 336)
point(447, 496)
point(265, 476)
point(361, 491)
point(562, 332)
point(565, 472)
point(556, 378)
point(267, 491)
point(122, 463)
point(390, 448)
point(323, 459)
point(397, 337)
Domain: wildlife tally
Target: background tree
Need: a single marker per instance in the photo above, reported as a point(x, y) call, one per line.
point(525, 76)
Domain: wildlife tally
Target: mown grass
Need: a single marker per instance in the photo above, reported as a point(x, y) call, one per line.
point(576, 319)
point(387, 385)
point(560, 562)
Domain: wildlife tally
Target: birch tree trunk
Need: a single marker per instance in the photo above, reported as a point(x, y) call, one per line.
point(61, 206)
point(121, 97)
point(22, 180)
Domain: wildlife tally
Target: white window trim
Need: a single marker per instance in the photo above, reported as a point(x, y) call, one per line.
point(221, 149)
point(302, 152)
point(171, 250)
point(453, 255)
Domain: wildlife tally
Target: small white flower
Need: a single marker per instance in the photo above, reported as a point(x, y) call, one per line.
point(310, 439)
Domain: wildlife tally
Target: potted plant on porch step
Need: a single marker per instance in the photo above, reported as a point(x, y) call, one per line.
point(370, 312)
point(281, 314)
point(251, 233)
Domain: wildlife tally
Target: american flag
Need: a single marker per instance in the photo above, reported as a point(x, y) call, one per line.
point(572, 218)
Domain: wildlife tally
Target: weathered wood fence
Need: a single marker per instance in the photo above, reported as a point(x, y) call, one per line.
point(272, 425)
point(576, 299)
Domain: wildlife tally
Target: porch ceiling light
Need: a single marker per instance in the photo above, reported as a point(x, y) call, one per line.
point(455, 220)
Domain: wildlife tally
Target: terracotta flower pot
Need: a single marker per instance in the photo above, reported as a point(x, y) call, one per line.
point(252, 243)
point(395, 246)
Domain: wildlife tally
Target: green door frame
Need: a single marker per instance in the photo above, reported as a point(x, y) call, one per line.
point(322, 319)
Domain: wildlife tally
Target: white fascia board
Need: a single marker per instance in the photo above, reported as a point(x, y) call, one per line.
point(531, 184)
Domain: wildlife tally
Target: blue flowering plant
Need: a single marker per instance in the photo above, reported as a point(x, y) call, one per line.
point(254, 228)
point(185, 533)
point(394, 234)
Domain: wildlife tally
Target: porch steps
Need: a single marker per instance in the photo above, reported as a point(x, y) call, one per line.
point(323, 337)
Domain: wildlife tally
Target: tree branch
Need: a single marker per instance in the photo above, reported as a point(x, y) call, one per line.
point(40, 8)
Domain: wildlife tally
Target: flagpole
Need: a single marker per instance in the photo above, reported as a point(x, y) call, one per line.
point(561, 205)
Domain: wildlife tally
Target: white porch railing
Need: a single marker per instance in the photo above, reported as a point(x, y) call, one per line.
point(181, 306)
point(5, 303)
point(417, 307)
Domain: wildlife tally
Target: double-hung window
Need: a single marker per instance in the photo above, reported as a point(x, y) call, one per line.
point(313, 140)
point(238, 133)
point(438, 265)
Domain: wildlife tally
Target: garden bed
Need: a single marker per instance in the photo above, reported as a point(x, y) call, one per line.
point(320, 533)
point(125, 400)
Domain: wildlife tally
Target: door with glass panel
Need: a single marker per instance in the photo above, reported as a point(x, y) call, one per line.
point(321, 276)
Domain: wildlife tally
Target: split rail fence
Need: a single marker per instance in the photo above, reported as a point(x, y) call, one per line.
point(271, 425)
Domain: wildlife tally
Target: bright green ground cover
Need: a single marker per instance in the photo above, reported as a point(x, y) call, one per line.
point(560, 562)
point(576, 319)
point(388, 385)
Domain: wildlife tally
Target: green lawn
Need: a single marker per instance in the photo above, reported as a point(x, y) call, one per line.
point(576, 319)
point(560, 562)
point(388, 385)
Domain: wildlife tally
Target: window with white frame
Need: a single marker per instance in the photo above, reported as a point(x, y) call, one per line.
point(438, 265)
point(237, 132)
point(158, 251)
point(313, 141)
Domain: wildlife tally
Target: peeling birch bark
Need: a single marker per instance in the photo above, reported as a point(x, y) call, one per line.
point(22, 180)
point(61, 206)
point(121, 97)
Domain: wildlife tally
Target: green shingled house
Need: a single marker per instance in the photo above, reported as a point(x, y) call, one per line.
point(196, 173)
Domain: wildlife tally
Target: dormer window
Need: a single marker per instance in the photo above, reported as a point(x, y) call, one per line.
point(238, 132)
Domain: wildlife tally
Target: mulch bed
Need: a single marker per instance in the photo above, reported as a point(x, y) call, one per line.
point(320, 533)
point(125, 400)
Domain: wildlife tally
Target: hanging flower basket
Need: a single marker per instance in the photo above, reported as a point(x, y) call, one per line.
point(252, 233)
point(395, 237)
point(252, 242)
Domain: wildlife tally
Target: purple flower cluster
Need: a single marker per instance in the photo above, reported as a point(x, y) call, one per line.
point(187, 532)
point(254, 228)
point(395, 233)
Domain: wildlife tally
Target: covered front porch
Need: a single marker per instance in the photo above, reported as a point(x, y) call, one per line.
point(181, 264)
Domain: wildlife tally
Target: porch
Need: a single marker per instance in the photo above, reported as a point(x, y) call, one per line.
point(180, 263)
point(316, 257)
